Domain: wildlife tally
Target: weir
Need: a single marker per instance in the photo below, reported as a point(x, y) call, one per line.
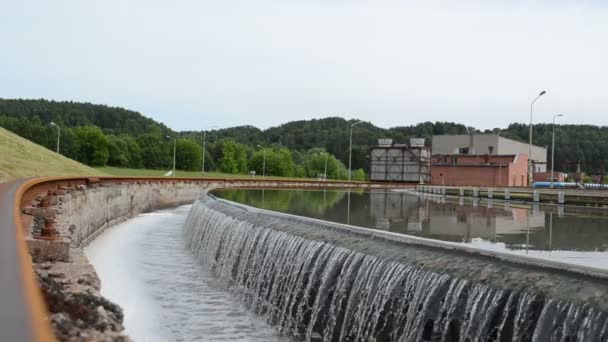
point(317, 280)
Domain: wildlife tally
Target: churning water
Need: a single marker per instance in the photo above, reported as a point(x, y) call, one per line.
point(166, 295)
point(317, 291)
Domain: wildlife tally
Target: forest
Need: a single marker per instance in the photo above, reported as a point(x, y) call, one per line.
point(100, 135)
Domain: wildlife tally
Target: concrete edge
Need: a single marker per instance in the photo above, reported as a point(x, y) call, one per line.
point(520, 260)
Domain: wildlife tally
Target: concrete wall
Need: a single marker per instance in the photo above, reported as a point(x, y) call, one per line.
point(445, 144)
point(508, 146)
point(477, 143)
point(90, 212)
point(80, 213)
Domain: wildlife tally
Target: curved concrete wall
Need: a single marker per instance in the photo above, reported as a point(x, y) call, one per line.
point(261, 252)
point(568, 282)
point(75, 210)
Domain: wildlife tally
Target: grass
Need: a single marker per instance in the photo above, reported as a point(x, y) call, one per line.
point(21, 158)
point(126, 172)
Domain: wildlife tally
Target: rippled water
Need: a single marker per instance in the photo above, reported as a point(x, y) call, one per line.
point(145, 267)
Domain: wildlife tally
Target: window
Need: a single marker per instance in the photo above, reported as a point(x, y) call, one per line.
point(463, 150)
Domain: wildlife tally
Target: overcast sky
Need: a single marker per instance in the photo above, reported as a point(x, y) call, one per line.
point(194, 64)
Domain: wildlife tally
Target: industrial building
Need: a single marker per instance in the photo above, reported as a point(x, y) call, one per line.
point(393, 162)
point(483, 160)
point(490, 144)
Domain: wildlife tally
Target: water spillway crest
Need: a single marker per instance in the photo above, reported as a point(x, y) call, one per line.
point(314, 290)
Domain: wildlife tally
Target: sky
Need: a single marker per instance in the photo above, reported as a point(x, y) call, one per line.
point(197, 64)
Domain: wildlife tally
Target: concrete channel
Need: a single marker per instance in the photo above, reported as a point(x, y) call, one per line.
point(48, 220)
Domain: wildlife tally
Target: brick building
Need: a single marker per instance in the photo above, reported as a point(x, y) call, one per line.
point(479, 170)
point(483, 160)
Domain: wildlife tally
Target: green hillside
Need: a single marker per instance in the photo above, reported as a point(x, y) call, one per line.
point(99, 136)
point(20, 158)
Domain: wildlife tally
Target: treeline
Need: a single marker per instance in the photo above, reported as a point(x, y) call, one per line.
point(293, 149)
point(150, 146)
point(585, 143)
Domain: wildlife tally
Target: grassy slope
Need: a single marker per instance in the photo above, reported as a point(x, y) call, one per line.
point(115, 171)
point(21, 158)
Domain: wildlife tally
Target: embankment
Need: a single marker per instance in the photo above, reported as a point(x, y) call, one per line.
point(332, 282)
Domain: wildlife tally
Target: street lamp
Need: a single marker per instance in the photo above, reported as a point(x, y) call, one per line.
point(350, 149)
point(58, 134)
point(263, 160)
point(204, 141)
point(174, 147)
point(553, 148)
point(530, 165)
point(325, 172)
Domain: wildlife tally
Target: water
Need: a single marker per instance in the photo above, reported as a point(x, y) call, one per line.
point(573, 235)
point(314, 290)
point(166, 295)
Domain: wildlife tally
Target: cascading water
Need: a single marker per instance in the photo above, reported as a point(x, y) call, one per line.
point(314, 290)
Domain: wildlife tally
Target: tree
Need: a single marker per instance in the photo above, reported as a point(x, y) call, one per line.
point(358, 175)
point(188, 155)
point(134, 151)
point(155, 151)
point(314, 163)
point(119, 152)
point(279, 162)
point(233, 157)
point(93, 145)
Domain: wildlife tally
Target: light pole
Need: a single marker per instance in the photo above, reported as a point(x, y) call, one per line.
point(204, 141)
point(58, 134)
point(530, 164)
point(553, 148)
point(325, 171)
point(174, 147)
point(263, 160)
point(350, 149)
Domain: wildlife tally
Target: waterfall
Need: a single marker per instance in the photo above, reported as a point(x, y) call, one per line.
point(314, 290)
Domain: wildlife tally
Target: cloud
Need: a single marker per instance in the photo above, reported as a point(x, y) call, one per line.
point(194, 63)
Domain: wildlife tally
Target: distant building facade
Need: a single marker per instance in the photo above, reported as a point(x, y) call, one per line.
point(479, 170)
point(491, 144)
point(393, 162)
point(483, 160)
point(546, 176)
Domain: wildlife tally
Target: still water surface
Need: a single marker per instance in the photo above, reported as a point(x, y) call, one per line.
point(569, 234)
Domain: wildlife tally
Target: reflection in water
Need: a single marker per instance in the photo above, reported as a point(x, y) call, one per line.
point(489, 224)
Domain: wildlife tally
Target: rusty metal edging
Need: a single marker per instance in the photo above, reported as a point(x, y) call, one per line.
point(23, 312)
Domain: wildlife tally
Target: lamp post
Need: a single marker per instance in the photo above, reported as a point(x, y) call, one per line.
point(204, 141)
point(174, 148)
point(58, 134)
point(530, 164)
point(553, 149)
point(350, 149)
point(325, 171)
point(263, 160)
